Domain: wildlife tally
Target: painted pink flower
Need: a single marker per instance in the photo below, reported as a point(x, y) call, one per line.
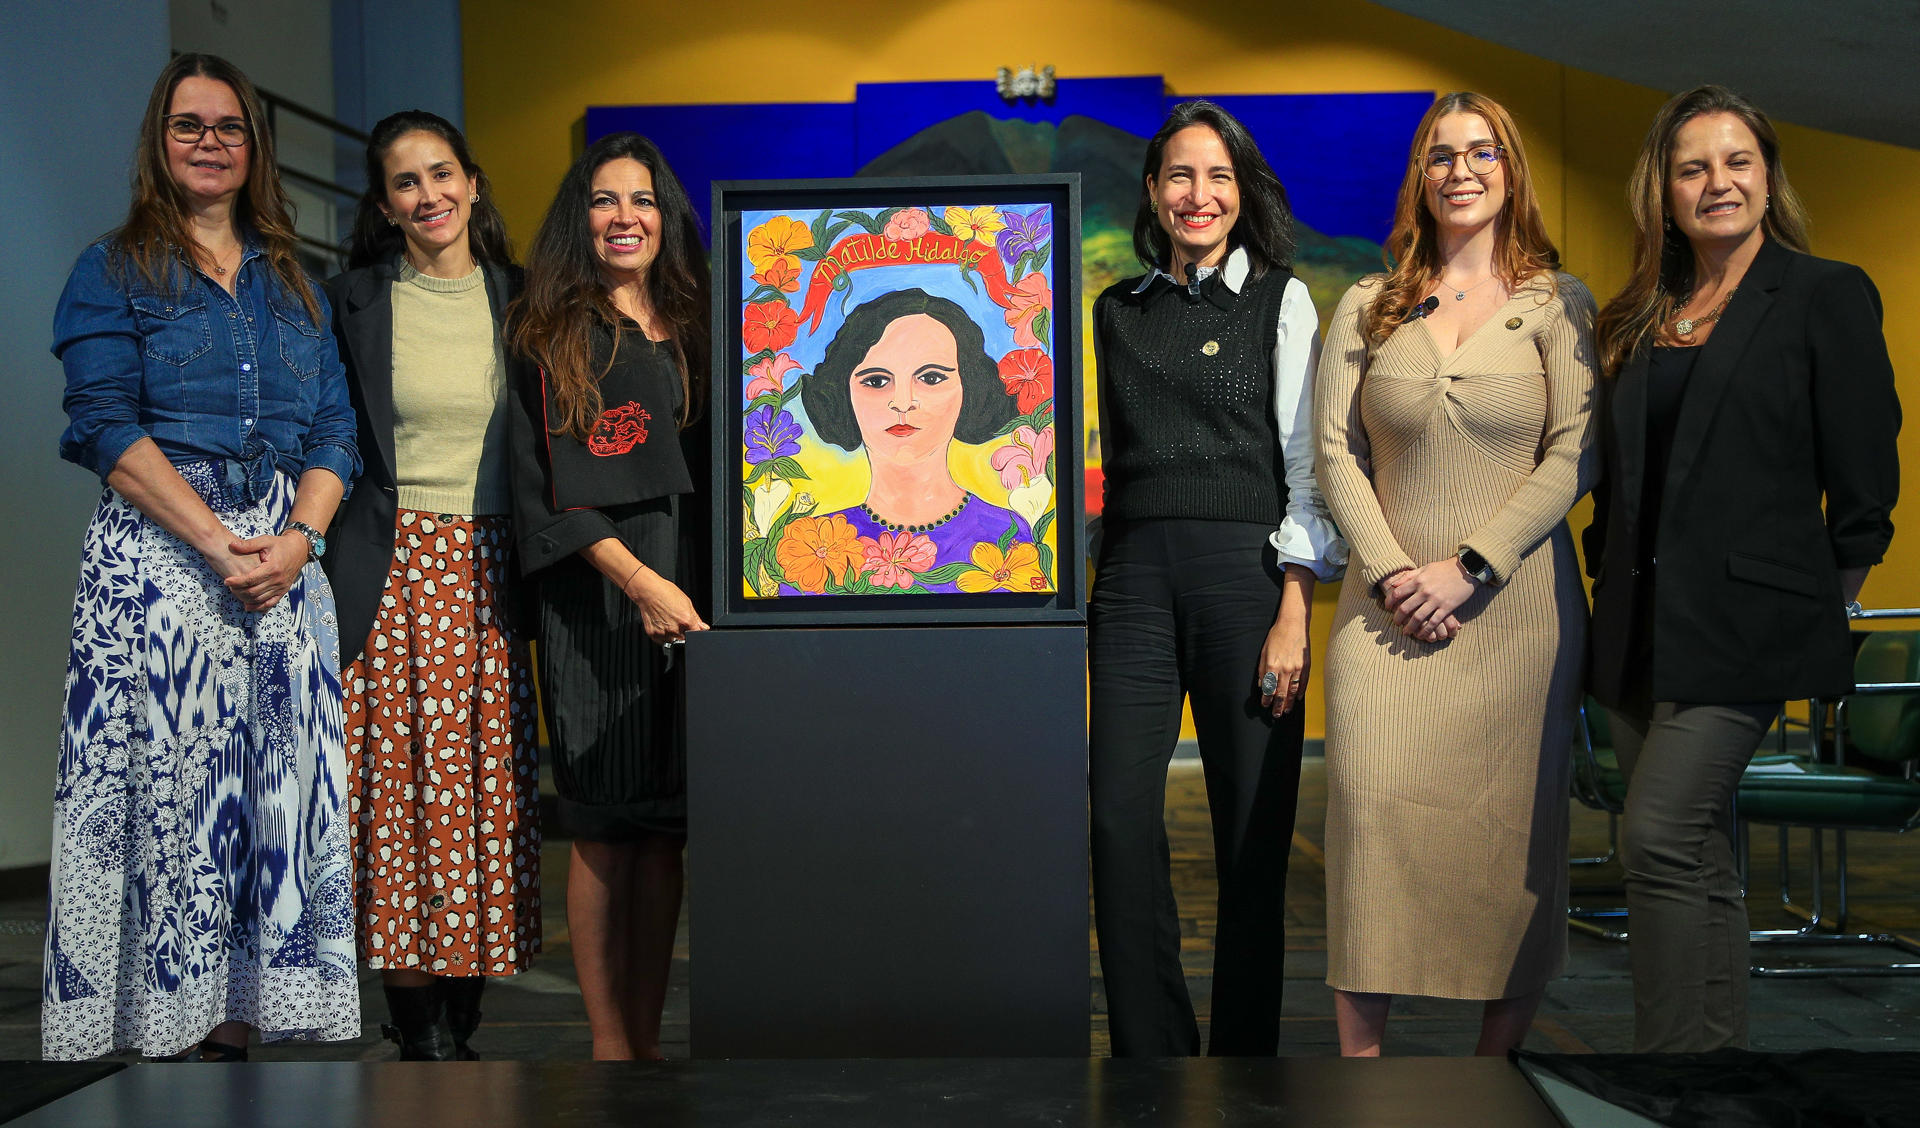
point(1028, 300)
point(1025, 458)
point(770, 375)
point(908, 223)
point(894, 559)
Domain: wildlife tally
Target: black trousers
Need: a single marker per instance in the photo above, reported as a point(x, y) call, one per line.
point(1181, 608)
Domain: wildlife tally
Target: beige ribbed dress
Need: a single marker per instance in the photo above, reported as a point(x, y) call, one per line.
point(1447, 763)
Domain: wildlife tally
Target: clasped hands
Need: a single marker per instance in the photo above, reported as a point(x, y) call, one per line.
point(259, 571)
point(1424, 599)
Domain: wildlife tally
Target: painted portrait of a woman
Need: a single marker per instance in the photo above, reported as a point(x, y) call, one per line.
point(906, 376)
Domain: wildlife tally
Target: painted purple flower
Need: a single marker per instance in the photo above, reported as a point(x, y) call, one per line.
point(770, 435)
point(1024, 233)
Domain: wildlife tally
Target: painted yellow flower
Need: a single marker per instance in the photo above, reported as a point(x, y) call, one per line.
point(777, 239)
point(981, 224)
point(1018, 570)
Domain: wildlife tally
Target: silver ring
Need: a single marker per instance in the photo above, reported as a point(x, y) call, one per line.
point(1269, 682)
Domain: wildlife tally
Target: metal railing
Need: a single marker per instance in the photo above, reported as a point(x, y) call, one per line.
point(277, 104)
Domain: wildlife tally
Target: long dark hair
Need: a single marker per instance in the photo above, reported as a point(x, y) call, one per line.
point(1662, 272)
point(375, 239)
point(1265, 226)
point(985, 405)
point(553, 321)
point(1412, 250)
point(155, 237)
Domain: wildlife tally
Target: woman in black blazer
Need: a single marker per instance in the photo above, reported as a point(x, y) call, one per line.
point(1751, 470)
point(442, 743)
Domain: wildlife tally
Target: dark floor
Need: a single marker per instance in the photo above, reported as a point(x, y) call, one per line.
point(537, 1015)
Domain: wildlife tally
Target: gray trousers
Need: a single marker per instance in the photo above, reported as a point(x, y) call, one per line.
point(1686, 916)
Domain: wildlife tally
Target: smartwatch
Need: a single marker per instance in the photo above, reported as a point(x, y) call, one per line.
point(316, 543)
point(1476, 566)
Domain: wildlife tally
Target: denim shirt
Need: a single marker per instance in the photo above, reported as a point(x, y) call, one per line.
point(246, 377)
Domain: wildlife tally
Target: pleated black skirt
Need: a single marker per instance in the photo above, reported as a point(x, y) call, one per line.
point(612, 707)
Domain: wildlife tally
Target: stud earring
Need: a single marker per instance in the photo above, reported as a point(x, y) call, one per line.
point(474, 199)
point(392, 222)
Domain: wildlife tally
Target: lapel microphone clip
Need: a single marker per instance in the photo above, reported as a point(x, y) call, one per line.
point(1421, 309)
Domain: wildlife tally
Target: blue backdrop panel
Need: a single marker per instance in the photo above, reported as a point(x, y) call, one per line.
point(887, 113)
point(780, 141)
point(1341, 156)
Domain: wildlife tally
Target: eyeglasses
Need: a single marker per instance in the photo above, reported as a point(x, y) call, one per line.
point(188, 130)
point(1481, 159)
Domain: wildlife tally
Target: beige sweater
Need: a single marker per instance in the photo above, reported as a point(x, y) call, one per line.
point(449, 396)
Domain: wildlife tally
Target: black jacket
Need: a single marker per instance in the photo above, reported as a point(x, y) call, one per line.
point(1790, 404)
point(360, 544)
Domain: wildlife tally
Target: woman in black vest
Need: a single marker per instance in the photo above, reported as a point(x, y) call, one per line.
point(444, 770)
point(1213, 536)
point(1750, 475)
point(614, 323)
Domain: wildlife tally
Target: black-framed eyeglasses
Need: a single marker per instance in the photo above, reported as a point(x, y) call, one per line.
point(188, 130)
point(1481, 159)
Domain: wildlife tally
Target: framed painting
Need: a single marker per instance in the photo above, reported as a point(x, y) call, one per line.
point(897, 395)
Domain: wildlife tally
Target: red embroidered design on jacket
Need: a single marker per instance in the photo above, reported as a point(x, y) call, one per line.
point(619, 430)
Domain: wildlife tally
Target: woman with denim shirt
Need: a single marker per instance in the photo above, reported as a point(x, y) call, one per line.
point(201, 879)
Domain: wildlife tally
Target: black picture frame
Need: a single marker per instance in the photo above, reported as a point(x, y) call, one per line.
point(730, 604)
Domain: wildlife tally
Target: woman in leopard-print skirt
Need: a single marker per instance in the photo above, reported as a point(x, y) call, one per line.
point(440, 714)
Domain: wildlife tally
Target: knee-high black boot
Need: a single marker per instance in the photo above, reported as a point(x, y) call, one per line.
point(462, 995)
point(415, 1028)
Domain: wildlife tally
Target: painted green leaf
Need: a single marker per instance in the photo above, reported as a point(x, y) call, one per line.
point(1046, 563)
point(793, 390)
point(764, 399)
point(759, 472)
point(866, 222)
point(788, 467)
point(834, 233)
point(1041, 526)
point(938, 219)
point(947, 573)
point(1007, 538)
point(1042, 322)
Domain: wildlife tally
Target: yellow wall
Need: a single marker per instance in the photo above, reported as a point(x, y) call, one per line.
point(532, 68)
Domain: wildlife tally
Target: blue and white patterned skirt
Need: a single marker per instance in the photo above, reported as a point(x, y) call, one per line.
point(201, 870)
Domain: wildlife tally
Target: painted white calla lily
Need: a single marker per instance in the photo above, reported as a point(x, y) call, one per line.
point(1032, 499)
point(769, 498)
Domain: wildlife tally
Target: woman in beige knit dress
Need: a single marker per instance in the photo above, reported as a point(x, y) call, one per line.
point(1453, 405)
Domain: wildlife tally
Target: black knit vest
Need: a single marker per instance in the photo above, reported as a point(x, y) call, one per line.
point(1186, 399)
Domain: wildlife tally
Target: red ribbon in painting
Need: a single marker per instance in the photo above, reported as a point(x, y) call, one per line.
point(858, 252)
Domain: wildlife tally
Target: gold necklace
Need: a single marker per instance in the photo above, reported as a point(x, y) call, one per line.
point(1684, 326)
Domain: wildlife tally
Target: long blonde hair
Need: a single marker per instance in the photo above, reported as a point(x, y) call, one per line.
point(1662, 273)
point(155, 237)
point(1412, 250)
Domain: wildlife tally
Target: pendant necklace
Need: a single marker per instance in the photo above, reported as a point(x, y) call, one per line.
point(1685, 326)
point(1460, 295)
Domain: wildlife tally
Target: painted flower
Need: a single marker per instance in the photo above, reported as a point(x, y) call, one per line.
point(981, 224)
point(770, 435)
point(1024, 233)
point(769, 375)
point(783, 274)
point(1027, 300)
point(908, 223)
point(814, 549)
point(894, 559)
point(1025, 458)
point(775, 239)
point(769, 497)
point(1017, 570)
point(769, 327)
point(1028, 376)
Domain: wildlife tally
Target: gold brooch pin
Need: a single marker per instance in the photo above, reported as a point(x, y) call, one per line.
point(1211, 348)
point(1513, 323)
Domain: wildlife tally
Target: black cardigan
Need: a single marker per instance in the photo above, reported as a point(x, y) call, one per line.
point(1790, 404)
point(360, 544)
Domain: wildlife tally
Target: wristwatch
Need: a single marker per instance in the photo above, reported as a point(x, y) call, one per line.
point(316, 542)
point(1476, 566)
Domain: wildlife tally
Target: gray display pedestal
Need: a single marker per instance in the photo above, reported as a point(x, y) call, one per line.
point(887, 852)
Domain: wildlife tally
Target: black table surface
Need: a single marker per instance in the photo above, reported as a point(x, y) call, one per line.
point(1289, 1092)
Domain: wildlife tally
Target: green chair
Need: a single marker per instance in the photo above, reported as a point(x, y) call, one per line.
point(1866, 782)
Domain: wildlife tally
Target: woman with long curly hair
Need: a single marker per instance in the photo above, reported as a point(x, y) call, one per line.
point(441, 733)
point(201, 882)
point(1454, 405)
point(613, 327)
point(1751, 469)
